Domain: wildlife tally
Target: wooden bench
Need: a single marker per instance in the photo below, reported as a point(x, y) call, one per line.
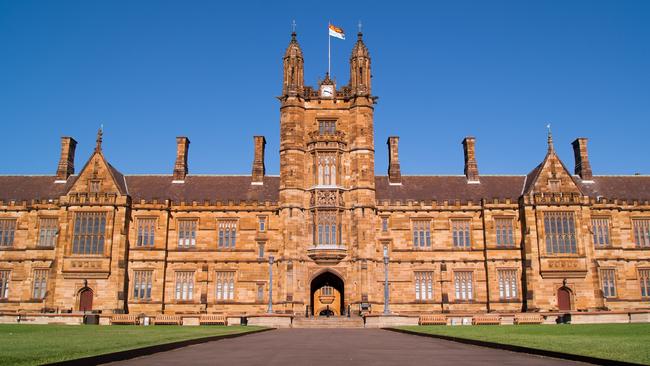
point(125, 319)
point(529, 319)
point(212, 319)
point(487, 319)
point(433, 319)
point(167, 320)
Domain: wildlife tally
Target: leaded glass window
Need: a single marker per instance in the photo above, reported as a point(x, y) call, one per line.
point(423, 285)
point(507, 284)
point(608, 281)
point(187, 233)
point(7, 232)
point(184, 285)
point(559, 228)
point(47, 230)
point(641, 228)
point(225, 282)
point(422, 233)
point(505, 232)
point(146, 232)
point(39, 287)
point(142, 285)
point(227, 234)
point(461, 233)
point(89, 233)
point(463, 286)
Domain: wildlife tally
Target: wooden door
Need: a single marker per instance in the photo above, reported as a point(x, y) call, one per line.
point(86, 300)
point(563, 299)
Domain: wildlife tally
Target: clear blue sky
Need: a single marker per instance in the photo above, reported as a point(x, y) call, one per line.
point(153, 70)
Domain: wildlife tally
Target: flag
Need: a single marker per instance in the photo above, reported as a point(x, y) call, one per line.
point(336, 32)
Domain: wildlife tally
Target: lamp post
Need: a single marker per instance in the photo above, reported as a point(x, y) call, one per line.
point(270, 309)
point(386, 308)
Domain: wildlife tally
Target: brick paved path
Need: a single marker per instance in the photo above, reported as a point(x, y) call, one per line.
point(333, 347)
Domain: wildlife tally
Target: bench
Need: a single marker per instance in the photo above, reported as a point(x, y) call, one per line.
point(433, 319)
point(167, 320)
point(212, 319)
point(529, 319)
point(486, 319)
point(125, 319)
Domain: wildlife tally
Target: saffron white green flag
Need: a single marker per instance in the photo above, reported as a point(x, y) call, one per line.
point(336, 32)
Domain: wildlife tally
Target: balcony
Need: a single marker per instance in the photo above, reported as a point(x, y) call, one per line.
point(327, 254)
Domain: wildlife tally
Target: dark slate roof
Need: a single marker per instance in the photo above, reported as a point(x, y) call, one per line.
point(203, 187)
point(625, 187)
point(442, 188)
point(119, 179)
point(29, 187)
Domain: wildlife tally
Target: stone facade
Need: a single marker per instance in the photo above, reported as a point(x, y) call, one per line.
point(187, 244)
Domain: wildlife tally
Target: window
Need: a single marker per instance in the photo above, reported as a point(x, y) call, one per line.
point(507, 284)
point(326, 291)
point(608, 279)
point(95, 186)
point(505, 232)
point(554, 185)
point(88, 236)
point(422, 233)
point(227, 233)
point(326, 169)
point(142, 285)
point(641, 229)
point(461, 233)
point(326, 228)
point(644, 278)
point(559, 228)
point(260, 249)
point(146, 230)
point(39, 287)
point(47, 229)
point(7, 231)
point(262, 223)
point(423, 285)
point(384, 224)
point(326, 127)
point(260, 292)
point(187, 233)
point(184, 285)
point(600, 227)
point(463, 286)
point(225, 285)
point(4, 284)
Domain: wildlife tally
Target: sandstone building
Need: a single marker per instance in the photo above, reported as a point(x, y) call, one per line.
point(100, 240)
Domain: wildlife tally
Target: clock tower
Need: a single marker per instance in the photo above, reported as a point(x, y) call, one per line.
point(327, 186)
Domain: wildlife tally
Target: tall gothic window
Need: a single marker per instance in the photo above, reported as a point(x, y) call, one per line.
point(326, 228)
point(507, 284)
point(4, 284)
point(89, 232)
point(600, 228)
point(423, 285)
point(146, 232)
point(422, 233)
point(142, 285)
point(227, 234)
point(184, 285)
point(644, 281)
point(560, 231)
point(463, 285)
point(505, 232)
point(187, 233)
point(326, 169)
point(7, 231)
point(641, 228)
point(47, 229)
point(461, 233)
point(39, 287)
point(608, 282)
point(225, 281)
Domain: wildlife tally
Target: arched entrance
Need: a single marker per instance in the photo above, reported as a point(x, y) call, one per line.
point(564, 299)
point(86, 299)
point(327, 295)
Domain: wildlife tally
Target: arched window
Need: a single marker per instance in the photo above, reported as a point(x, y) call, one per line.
point(326, 170)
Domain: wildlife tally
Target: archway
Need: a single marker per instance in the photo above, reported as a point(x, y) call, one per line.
point(86, 299)
point(564, 298)
point(327, 292)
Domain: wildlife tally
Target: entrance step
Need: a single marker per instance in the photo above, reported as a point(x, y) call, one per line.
point(325, 322)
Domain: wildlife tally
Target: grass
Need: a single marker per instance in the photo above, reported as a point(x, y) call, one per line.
point(23, 344)
point(621, 342)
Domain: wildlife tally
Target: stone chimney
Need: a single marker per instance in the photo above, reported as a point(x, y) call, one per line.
point(258, 161)
point(471, 167)
point(66, 162)
point(394, 173)
point(180, 167)
point(583, 168)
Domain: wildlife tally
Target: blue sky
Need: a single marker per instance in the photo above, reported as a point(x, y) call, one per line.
point(153, 70)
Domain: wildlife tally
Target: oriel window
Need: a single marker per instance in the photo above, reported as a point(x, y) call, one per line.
point(326, 170)
point(326, 228)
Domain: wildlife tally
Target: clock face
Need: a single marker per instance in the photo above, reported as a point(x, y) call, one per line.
point(327, 91)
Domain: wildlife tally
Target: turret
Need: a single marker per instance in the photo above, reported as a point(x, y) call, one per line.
point(360, 68)
point(293, 63)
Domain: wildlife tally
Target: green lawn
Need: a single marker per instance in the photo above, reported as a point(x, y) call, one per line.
point(622, 342)
point(23, 344)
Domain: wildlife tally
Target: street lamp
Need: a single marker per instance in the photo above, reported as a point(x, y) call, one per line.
point(270, 309)
point(386, 309)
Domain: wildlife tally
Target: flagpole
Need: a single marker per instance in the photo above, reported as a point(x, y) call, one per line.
point(329, 47)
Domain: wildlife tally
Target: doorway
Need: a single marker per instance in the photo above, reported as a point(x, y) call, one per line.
point(564, 299)
point(86, 300)
point(327, 295)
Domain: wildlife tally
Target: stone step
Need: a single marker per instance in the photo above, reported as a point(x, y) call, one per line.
point(332, 322)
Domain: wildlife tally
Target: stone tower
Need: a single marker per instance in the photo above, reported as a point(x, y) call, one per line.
point(327, 184)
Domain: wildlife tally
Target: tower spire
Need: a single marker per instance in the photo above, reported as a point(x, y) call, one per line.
point(549, 140)
point(360, 67)
point(100, 134)
point(293, 64)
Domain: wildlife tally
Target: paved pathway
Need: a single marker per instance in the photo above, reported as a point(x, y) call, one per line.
point(333, 347)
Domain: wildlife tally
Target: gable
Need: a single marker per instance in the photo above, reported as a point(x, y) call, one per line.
point(551, 176)
point(99, 176)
